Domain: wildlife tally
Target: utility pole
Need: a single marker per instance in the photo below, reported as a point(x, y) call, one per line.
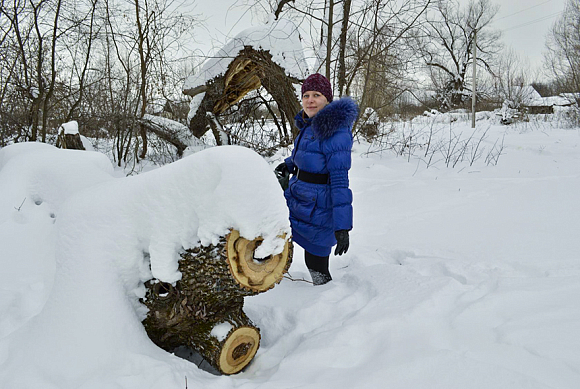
point(473, 81)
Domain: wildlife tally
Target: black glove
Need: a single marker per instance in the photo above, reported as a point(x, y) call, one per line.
point(341, 242)
point(283, 175)
point(282, 170)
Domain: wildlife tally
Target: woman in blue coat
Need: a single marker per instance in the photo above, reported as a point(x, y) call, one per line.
point(318, 194)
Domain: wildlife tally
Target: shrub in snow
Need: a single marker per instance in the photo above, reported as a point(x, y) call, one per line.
point(567, 116)
point(431, 112)
point(508, 112)
point(369, 123)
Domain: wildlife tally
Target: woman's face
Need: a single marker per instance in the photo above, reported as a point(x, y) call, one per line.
point(312, 102)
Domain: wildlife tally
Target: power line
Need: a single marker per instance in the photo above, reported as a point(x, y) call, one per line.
point(525, 9)
point(534, 21)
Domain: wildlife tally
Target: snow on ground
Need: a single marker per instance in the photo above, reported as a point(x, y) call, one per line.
point(465, 277)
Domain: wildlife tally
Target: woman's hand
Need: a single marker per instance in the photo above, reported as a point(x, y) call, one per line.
point(283, 175)
point(341, 242)
point(282, 170)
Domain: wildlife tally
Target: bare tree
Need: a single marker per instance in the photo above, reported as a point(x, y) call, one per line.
point(55, 34)
point(45, 43)
point(511, 79)
point(346, 8)
point(30, 75)
point(81, 51)
point(101, 63)
point(143, 43)
point(318, 19)
point(563, 43)
point(144, 48)
point(362, 45)
point(381, 51)
point(447, 46)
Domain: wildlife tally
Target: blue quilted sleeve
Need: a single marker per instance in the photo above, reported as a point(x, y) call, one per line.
point(289, 164)
point(337, 151)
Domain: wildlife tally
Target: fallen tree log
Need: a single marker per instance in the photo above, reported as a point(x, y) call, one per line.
point(170, 135)
point(210, 297)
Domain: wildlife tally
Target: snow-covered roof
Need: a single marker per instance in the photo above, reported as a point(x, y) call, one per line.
point(571, 97)
point(527, 94)
point(549, 101)
point(280, 37)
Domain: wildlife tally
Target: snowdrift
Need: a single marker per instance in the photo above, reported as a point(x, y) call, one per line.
point(457, 277)
point(111, 235)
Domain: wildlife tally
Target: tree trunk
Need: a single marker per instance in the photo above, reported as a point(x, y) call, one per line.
point(342, 47)
point(50, 91)
point(143, 73)
point(248, 71)
point(168, 134)
point(329, 37)
point(210, 295)
point(69, 141)
point(274, 79)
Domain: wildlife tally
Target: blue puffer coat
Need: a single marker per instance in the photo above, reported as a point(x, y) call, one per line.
point(323, 146)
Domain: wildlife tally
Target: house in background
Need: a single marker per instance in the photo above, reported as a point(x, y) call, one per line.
point(545, 105)
point(537, 104)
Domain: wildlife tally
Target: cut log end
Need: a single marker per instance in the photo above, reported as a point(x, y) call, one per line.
point(238, 349)
point(257, 275)
point(215, 280)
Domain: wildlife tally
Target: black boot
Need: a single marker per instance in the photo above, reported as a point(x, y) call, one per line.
point(319, 278)
point(318, 268)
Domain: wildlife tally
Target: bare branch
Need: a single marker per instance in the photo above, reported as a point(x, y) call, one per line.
point(281, 5)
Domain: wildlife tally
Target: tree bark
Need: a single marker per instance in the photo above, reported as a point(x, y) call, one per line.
point(215, 280)
point(69, 141)
point(281, 5)
point(164, 133)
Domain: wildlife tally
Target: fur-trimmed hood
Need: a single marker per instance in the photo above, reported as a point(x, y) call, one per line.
point(338, 115)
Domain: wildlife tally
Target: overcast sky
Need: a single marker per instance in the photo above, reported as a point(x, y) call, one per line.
point(524, 23)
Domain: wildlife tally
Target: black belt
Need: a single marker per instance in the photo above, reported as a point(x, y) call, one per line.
point(312, 178)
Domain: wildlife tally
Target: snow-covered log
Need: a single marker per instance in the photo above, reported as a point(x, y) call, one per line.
point(170, 131)
point(159, 250)
point(215, 280)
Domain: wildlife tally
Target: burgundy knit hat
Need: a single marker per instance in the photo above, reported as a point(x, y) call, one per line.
point(318, 83)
